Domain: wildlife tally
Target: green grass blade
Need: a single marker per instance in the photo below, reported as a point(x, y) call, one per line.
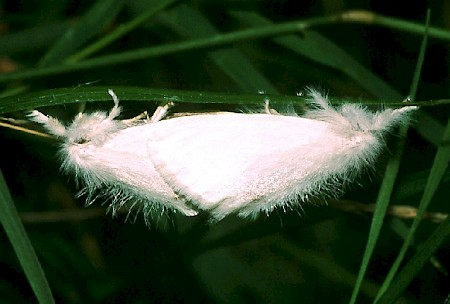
point(98, 93)
point(427, 196)
point(438, 169)
point(222, 39)
point(192, 25)
point(93, 94)
point(120, 31)
point(414, 184)
point(33, 38)
point(171, 48)
point(367, 17)
point(320, 49)
point(416, 263)
point(95, 20)
point(12, 224)
point(387, 185)
point(382, 204)
point(420, 60)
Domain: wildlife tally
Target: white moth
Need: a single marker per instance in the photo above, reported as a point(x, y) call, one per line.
point(224, 162)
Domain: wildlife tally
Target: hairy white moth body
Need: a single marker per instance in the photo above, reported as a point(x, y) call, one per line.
point(227, 162)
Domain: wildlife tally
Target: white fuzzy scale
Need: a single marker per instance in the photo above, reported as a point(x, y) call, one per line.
point(222, 163)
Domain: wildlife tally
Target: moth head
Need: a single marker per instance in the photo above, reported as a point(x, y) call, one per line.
point(91, 128)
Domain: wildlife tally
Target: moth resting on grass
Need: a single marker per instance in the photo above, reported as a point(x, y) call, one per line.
point(222, 163)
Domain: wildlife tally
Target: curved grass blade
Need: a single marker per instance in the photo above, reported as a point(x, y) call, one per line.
point(166, 49)
point(33, 38)
point(95, 20)
point(424, 253)
point(97, 93)
point(367, 17)
point(191, 24)
point(120, 31)
point(318, 48)
point(416, 263)
point(10, 220)
point(438, 170)
point(387, 185)
point(94, 94)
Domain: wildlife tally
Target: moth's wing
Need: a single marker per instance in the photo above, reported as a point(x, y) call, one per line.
point(283, 179)
point(124, 160)
point(321, 165)
point(220, 159)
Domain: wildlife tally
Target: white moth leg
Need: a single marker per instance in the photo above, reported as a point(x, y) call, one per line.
point(161, 112)
point(267, 108)
point(137, 120)
point(115, 111)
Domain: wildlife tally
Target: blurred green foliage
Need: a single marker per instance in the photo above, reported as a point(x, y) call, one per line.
point(224, 48)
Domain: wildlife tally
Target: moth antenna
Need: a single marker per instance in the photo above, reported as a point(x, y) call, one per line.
point(137, 120)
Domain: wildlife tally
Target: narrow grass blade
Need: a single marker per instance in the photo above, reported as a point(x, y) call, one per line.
point(93, 94)
point(318, 48)
point(10, 220)
point(437, 172)
point(95, 20)
point(367, 17)
point(382, 204)
point(423, 255)
point(433, 179)
point(120, 31)
point(97, 93)
point(33, 38)
point(191, 24)
point(171, 48)
point(387, 185)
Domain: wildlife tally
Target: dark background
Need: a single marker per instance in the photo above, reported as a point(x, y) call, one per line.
point(304, 256)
